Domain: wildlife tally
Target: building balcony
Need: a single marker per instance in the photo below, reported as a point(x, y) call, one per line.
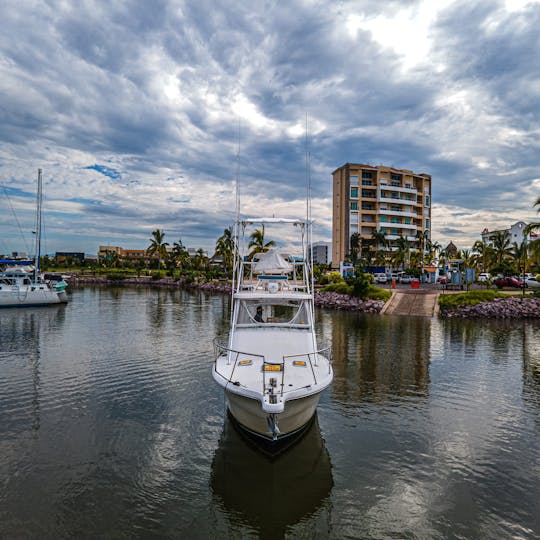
point(398, 213)
point(389, 187)
point(394, 200)
point(390, 225)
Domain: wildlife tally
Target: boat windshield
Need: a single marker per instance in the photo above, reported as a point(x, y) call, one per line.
point(286, 312)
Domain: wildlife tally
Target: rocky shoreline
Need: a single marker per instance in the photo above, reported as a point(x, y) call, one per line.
point(328, 300)
point(514, 307)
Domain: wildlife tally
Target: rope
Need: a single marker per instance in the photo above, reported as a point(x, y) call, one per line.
point(16, 219)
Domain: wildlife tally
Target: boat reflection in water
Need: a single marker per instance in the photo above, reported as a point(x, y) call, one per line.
point(274, 489)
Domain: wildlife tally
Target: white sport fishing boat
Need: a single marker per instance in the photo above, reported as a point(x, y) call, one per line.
point(271, 367)
point(22, 287)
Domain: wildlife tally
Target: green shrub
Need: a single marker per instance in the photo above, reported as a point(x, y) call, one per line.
point(360, 285)
point(376, 293)
point(340, 288)
point(116, 276)
point(450, 301)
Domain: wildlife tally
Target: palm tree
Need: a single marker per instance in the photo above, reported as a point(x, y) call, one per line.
point(225, 248)
point(157, 246)
point(180, 255)
point(519, 254)
point(403, 252)
point(482, 255)
point(258, 244)
point(501, 246)
point(423, 239)
point(355, 246)
point(200, 261)
point(379, 239)
point(534, 245)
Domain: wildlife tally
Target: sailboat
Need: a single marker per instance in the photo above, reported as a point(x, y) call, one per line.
point(271, 365)
point(22, 287)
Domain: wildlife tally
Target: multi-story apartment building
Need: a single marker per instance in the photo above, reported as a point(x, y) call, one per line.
point(368, 199)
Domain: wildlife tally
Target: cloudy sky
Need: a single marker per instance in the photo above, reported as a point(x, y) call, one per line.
point(135, 111)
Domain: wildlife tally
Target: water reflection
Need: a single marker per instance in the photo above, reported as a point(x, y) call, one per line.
point(21, 336)
point(269, 495)
point(379, 359)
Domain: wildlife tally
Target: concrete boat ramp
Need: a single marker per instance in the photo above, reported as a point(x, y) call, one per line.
point(417, 303)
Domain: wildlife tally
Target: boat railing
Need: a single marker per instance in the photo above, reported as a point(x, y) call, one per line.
point(272, 369)
point(295, 280)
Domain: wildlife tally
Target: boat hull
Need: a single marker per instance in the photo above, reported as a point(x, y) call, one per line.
point(249, 414)
point(39, 297)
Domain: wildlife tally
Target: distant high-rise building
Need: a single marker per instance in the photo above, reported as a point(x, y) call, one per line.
point(378, 199)
point(321, 252)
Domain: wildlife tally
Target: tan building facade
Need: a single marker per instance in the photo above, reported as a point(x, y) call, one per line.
point(368, 199)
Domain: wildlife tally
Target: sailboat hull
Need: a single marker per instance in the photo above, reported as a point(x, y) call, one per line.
point(250, 415)
point(20, 297)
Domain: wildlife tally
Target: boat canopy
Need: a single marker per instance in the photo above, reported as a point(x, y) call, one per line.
point(272, 263)
point(17, 262)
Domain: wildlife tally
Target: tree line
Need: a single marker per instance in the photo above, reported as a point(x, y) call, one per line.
point(498, 256)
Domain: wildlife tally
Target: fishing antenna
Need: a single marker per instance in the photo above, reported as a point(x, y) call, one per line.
point(309, 251)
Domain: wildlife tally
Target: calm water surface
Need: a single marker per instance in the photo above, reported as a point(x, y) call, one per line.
point(112, 427)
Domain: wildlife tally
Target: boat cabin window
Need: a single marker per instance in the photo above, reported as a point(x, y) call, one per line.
point(277, 312)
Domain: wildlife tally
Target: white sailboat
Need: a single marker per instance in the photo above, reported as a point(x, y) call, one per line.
point(271, 367)
point(21, 287)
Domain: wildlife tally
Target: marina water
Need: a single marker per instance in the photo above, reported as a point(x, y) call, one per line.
point(111, 426)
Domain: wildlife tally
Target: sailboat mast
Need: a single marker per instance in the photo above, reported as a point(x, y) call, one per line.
point(38, 226)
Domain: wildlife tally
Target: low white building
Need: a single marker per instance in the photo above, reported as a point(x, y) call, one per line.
point(515, 234)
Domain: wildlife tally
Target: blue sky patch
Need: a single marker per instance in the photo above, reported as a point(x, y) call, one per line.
point(105, 171)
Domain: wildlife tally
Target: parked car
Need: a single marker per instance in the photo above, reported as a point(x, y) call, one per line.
point(510, 281)
point(483, 277)
point(380, 278)
point(442, 280)
point(532, 282)
point(405, 279)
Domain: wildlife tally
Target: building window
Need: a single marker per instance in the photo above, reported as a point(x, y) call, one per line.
point(427, 223)
point(367, 206)
point(383, 219)
point(395, 184)
point(366, 174)
point(395, 220)
point(354, 206)
point(394, 231)
point(408, 186)
point(367, 183)
point(354, 180)
point(368, 194)
point(427, 200)
point(396, 177)
point(354, 193)
point(383, 230)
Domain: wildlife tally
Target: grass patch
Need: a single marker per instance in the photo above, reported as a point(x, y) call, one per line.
point(451, 301)
point(370, 293)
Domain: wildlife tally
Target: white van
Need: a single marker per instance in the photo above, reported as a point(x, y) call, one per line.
point(380, 278)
